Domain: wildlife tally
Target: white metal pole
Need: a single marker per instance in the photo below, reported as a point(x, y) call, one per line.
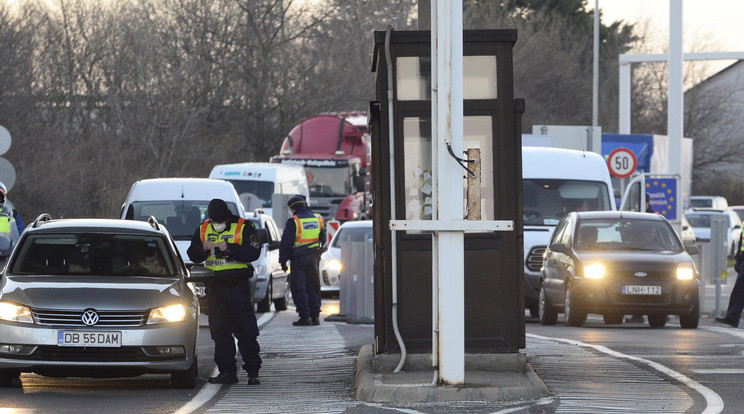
point(451, 262)
point(675, 123)
point(595, 83)
point(624, 104)
point(434, 197)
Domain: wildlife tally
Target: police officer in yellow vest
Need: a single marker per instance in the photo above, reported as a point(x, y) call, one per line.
point(9, 233)
point(304, 235)
point(223, 243)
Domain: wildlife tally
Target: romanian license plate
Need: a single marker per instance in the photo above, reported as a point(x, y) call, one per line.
point(89, 339)
point(641, 290)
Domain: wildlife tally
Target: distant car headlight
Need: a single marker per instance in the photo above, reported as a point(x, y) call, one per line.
point(334, 265)
point(167, 314)
point(685, 271)
point(594, 271)
point(15, 313)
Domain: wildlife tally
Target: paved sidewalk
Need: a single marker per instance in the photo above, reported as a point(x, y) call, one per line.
point(315, 370)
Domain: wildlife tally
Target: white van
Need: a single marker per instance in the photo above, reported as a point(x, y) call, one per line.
point(556, 181)
point(256, 182)
point(180, 204)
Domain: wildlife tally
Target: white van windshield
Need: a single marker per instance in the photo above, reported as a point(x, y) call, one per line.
point(261, 189)
point(181, 217)
point(545, 201)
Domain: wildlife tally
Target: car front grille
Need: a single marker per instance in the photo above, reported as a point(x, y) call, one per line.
point(535, 258)
point(112, 319)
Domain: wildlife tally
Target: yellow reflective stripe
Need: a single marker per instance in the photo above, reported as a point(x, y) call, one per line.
point(213, 262)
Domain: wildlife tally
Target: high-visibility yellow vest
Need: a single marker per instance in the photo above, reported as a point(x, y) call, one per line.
point(232, 234)
point(307, 231)
point(5, 223)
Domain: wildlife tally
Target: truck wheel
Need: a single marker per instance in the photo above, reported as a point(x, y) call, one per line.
point(265, 304)
point(575, 316)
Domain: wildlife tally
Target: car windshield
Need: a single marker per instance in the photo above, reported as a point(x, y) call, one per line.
point(358, 234)
point(546, 201)
point(626, 234)
point(93, 254)
point(181, 217)
point(330, 181)
point(248, 189)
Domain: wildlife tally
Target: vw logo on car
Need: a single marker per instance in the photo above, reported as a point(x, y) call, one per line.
point(641, 274)
point(90, 317)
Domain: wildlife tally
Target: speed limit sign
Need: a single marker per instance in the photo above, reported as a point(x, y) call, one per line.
point(622, 162)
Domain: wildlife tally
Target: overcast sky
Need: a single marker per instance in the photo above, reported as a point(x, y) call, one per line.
point(720, 19)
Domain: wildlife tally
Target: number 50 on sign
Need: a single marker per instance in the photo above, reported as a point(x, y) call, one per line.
point(622, 162)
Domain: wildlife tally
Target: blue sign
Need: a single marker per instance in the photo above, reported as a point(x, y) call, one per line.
point(662, 193)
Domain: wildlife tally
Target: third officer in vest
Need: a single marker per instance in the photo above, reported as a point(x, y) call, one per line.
point(304, 235)
point(224, 244)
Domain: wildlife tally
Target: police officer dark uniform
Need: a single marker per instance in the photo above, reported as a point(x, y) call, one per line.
point(304, 235)
point(223, 243)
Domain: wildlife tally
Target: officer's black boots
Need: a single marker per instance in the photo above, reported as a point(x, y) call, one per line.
point(224, 378)
point(316, 321)
point(302, 322)
point(253, 380)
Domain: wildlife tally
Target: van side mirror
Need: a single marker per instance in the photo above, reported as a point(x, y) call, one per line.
point(559, 247)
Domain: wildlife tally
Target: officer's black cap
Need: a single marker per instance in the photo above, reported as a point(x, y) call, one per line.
point(218, 211)
point(297, 202)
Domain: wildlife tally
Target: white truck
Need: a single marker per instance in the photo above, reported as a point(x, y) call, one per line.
point(556, 181)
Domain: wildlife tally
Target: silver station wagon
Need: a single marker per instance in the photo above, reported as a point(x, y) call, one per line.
point(97, 298)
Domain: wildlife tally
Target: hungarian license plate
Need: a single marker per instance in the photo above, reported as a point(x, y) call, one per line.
point(641, 290)
point(89, 339)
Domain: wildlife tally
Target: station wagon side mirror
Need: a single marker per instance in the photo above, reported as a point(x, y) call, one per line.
point(692, 249)
point(559, 247)
point(199, 274)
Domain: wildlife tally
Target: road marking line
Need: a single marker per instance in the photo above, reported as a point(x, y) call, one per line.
point(714, 403)
point(719, 371)
point(208, 391)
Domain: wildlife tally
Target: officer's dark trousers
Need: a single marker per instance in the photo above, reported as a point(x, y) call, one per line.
point(304, 282)
point(231, 313)
point(736, 301)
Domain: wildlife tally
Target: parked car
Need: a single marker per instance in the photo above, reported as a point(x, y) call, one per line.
point(700, 218)
point(688, 233)
point(739, 210)
point(716, 202)
point(272, 283)
point(97, 298)
point(616, 263)
point(330, 260)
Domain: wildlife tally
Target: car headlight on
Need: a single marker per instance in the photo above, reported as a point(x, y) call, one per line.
point(15, 313)
point(594, 271)
point(334, 265)
point(167, 314)
point(685, 271)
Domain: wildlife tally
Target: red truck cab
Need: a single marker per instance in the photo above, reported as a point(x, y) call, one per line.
point(335, 151)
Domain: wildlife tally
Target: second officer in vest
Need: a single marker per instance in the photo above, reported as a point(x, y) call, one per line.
point(304, 235)
point(223, 243)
